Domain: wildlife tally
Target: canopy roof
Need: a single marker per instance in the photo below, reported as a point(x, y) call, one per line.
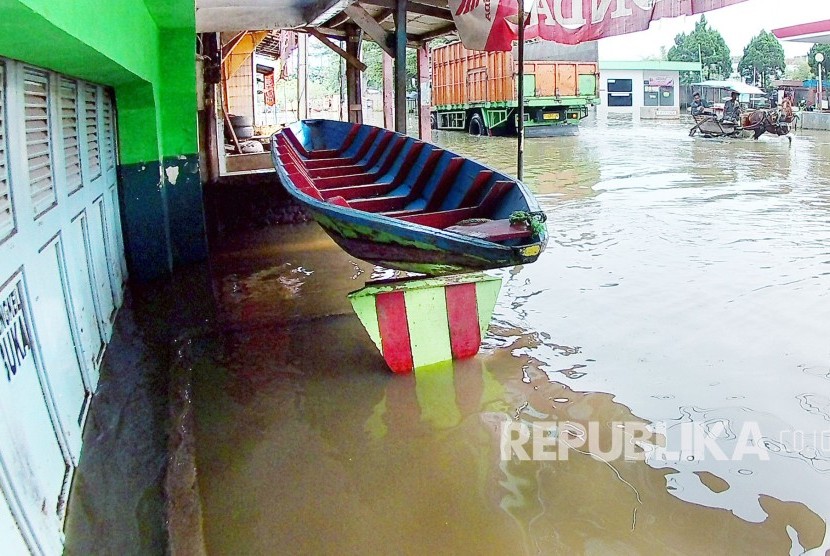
point(425, 19)
point(816, 32)
point(739, 86)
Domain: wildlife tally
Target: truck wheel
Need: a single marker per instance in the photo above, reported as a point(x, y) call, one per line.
point(477, 126)
point(433, 123)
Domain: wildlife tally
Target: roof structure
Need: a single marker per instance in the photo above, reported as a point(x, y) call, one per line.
point(815, 32)
point(270, 45)
point(426, 19)
point(739, 86)
point(649, 65)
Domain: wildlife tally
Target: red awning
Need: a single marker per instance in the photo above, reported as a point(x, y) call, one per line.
point(492, 24)
point(816, 32)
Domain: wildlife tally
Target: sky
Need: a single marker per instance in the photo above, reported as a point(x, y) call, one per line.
point(738, 24)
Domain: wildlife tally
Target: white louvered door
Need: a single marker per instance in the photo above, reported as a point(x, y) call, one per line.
point(71, 135)
point(6, 216)
point(39, 140)
point(61, 282)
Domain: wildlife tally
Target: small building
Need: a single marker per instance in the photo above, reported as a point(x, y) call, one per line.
point(649, 89)
point(799, 90)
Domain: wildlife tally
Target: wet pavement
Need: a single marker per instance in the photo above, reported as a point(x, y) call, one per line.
point(684, 291)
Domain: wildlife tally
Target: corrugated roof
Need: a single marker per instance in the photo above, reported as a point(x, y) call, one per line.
point(649, 65)
point(739, 86)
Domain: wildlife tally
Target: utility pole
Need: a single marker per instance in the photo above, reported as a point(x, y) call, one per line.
point(820, 85)
point(520, 125)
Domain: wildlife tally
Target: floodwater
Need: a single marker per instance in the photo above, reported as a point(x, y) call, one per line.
point(684, 295)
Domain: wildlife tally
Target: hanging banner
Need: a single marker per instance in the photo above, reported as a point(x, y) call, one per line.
point(270, 96)
point(493, 24)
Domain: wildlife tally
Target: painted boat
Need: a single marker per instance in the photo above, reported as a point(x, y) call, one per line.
point(400, 203)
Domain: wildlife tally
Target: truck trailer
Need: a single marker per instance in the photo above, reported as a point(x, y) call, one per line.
point(476, 91)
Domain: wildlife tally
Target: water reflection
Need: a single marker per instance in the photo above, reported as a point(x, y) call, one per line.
point(686, 281)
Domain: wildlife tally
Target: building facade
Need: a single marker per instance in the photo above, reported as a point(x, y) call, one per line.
point(99, 180)
point(648, 89)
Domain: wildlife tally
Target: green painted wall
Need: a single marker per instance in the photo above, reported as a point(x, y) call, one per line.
point(146, 51)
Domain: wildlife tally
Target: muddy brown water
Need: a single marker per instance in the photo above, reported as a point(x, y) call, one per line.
point(686, 281)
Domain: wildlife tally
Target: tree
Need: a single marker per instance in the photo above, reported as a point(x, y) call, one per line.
point(825, 65)
point(764, 58)
point(705, 45)
point(800, 73)
point(323, 67)
point(371, 55)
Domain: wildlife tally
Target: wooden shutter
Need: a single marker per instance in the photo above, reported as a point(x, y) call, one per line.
point(109, 135)
point(71, 144)
point(6, 216)
point(38, 140)
point(93, 141)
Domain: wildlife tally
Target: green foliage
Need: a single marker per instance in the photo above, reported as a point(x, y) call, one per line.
point(706, 45)
point(825, 65)
point(372, 56)
point(800, 73)
point(533, 220)
point(323, 67)
point(764, 57)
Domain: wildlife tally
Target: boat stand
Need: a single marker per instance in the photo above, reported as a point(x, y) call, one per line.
point(418, 322)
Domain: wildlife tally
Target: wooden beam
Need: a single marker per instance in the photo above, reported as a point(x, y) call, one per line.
point(434, 3)
point(424, 127)
point(231, 44)
point(354, 99)
point(350, 59)
point(441, 31)
point(400, 65)
point(337, 20)
point(370, 27)
point(388, 92)
point(302, 77)
point(384, 14)
point(229, 126)
point(329, 32)
point(419, 9)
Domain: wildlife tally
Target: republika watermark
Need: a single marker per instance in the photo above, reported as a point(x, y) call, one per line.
point(633, 440)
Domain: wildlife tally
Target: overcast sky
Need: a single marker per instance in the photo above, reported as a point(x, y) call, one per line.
point(738, 24)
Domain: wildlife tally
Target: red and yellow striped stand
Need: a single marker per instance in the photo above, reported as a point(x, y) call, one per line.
point(422, 321)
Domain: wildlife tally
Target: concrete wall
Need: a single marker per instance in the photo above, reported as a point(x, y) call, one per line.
point(241, 91)
point(815, 120)
point(145, 51)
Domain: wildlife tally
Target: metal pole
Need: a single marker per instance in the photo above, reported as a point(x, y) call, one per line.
point(520, 126)
point(820, 90)
point(400, 65)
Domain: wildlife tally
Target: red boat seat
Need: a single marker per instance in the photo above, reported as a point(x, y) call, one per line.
point(339, 201)
point(312, 192)
point(493, 230)
point(288, 134)
point(447, 218)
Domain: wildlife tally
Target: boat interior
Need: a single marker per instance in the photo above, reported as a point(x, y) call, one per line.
point(379, 171)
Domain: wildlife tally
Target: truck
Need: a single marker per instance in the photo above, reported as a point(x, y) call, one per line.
point(476, 91)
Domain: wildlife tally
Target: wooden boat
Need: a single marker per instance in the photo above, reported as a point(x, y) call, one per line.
point(404, 204)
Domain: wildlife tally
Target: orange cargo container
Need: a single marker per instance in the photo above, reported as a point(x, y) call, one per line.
point(476, 91)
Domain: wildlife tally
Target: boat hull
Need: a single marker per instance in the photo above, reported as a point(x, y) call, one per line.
point(398, 244)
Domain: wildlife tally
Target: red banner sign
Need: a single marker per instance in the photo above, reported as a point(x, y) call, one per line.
point(492, 24)
point(270, 96)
